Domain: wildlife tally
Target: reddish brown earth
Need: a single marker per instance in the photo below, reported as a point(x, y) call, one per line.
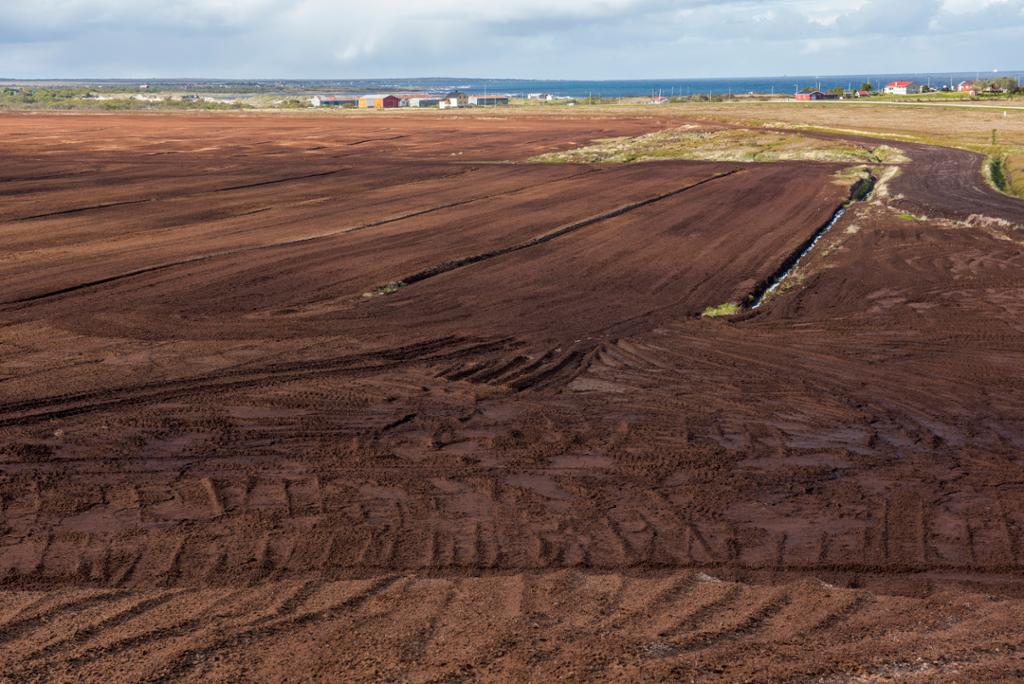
point(228, 451)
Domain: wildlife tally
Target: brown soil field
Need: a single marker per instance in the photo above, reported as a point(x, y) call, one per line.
point(373, 398)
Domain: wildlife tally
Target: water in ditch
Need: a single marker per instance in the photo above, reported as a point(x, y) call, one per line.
point(778, 280)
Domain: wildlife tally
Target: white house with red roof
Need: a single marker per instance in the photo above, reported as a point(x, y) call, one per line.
point(902, 88)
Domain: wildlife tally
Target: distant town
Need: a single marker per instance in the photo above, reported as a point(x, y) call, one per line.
point(453, 100)
point(424, 94)
point(457, 99)
point(971, 88)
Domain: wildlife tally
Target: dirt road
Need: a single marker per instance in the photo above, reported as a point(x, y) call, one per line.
point(370, 398)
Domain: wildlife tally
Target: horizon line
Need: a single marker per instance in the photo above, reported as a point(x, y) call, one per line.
point(258, 79)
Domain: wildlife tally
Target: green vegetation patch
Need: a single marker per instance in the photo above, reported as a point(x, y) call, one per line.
point(886, 154)
point(997, 173)
point(738, 145)
point(853, 174)
point(112, 99)
point(727, 309)
point(386, 289)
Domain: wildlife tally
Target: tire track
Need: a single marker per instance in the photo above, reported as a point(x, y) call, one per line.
point(840, 615)
point(428, 352)
point(416, 649)
point(82, 635)
point(753, 623)
point(19, 627)
point(180, 628)
point(187, 659)
point(703, 611)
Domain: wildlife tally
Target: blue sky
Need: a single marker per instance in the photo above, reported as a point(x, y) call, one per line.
point(585, 39)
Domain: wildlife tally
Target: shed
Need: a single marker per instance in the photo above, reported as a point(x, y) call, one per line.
point(488, 100)
point(387, 101)
point(424, 101)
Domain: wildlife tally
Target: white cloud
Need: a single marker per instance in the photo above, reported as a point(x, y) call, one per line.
point(568, 38)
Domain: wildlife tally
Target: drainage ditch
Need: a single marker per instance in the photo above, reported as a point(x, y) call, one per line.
point(767, 287)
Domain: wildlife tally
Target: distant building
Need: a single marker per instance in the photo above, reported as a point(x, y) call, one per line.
point(902, 88)
point(423, 102)
point(488, 100)
point(461, 98)
point(660, 99)
point(543, 97)
point(812, 95)
point(449, 103)
point(405, 99)
point(333, 101)
point(380, 102)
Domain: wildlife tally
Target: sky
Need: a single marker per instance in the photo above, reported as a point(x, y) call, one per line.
point(559, 39)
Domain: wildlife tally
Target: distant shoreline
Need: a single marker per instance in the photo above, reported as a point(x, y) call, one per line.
point(683, 87)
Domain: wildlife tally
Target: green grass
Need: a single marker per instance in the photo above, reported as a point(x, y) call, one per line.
point(1013, 167)
point(739, 145)
point(386, 289)
point(727, 309)
point(906, 217)
point(66, 99)
point(997, 172)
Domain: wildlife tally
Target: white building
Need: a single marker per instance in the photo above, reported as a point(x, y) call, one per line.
point(902, 88)
point(423, 102)
point(488, 100)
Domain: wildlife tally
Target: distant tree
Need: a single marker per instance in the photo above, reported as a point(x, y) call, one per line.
point(1004, 84)
point(808, 89)
point(838, 90)
point(866, 85)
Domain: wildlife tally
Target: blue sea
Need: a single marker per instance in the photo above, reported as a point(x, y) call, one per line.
point(562, 88)
point(666, 87)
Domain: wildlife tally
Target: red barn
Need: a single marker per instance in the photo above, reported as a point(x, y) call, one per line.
point(813, 95)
